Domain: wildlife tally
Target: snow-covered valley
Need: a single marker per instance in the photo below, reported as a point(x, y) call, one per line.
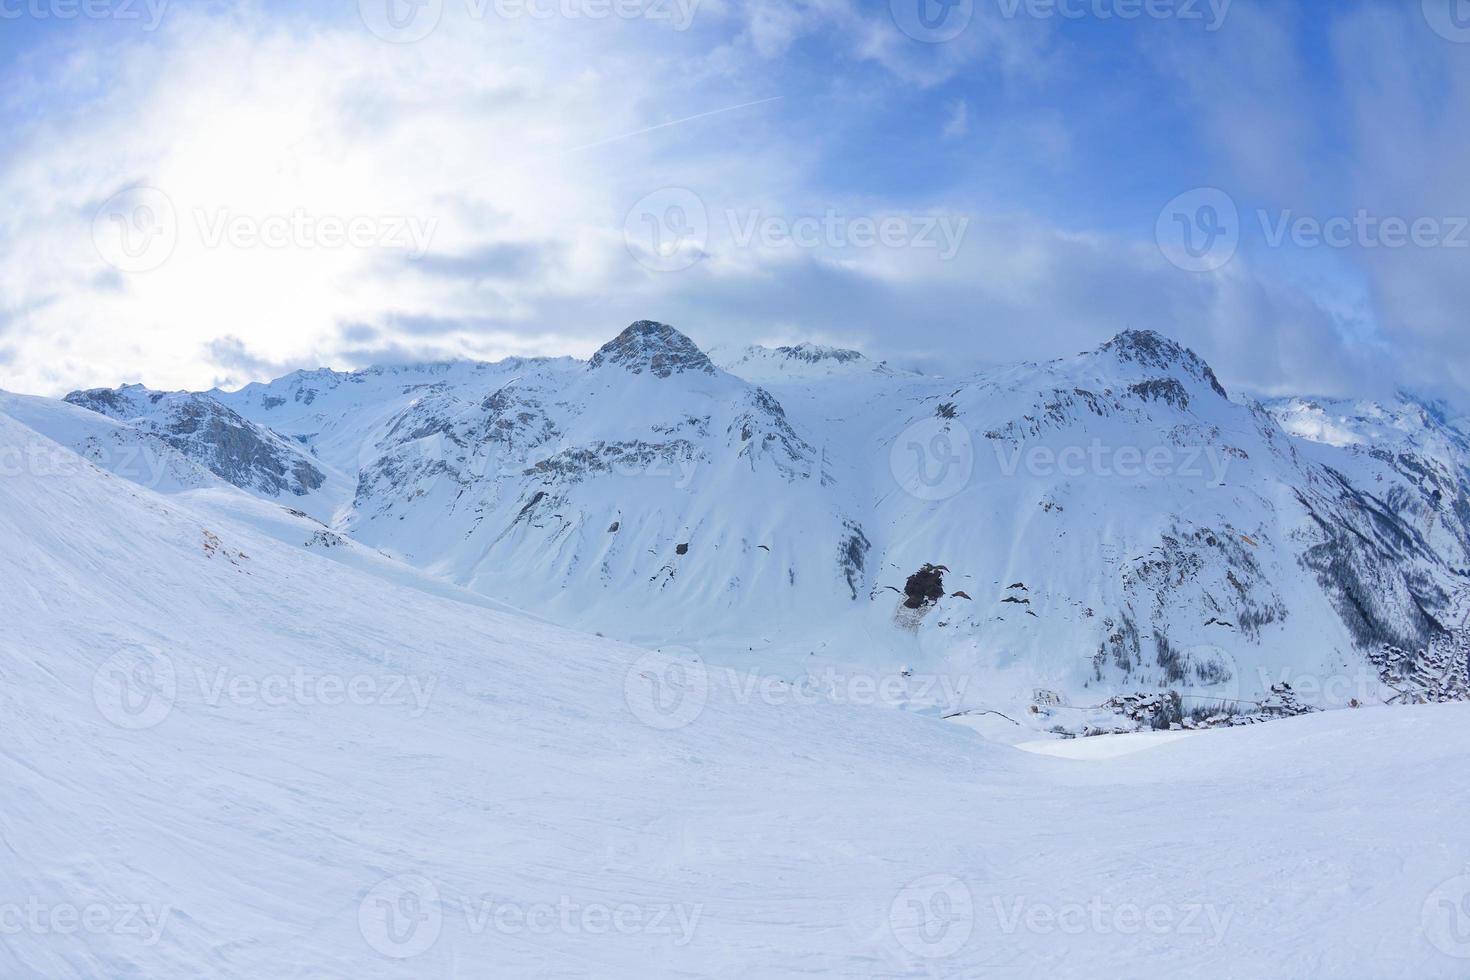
point(229, 755)
point(741, 489)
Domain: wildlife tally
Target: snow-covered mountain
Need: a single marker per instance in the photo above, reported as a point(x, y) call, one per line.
point(1412, 454)
point(230, 752)
point(1105, 524)
point(236, 450)
point(799, 362)
point(136, 454)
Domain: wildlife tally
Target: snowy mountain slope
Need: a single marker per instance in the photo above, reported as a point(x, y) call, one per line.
point(1115, 515)
point(338, 415)
point(1115, 522)
point(289, 768)
point(1411, 455)
point(795, 363)
point(233, 448)
point(1104, 524)
point(582, 489)
point(123, 450)
point(63, 441)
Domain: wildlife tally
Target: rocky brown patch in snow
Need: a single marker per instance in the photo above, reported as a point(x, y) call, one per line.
point(924, 587)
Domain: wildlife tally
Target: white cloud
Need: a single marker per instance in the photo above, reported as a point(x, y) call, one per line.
point(268, 147)
point(958, 123)
point(519, 147)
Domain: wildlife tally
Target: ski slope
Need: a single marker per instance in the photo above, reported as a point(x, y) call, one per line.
point(228, 754)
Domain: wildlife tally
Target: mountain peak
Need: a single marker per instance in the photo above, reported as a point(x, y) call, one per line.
point(1152, 349)
point(816, 353)
point(654, 347)
point(793, 363)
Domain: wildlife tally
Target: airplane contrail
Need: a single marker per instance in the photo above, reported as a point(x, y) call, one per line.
point(676, 122)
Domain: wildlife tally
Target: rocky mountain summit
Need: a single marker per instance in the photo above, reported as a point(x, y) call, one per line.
point(656, 348)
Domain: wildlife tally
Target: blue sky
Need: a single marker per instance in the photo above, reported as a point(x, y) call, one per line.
point(502, 176)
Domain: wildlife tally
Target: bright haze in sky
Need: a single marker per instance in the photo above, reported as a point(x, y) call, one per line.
point(202, 193)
